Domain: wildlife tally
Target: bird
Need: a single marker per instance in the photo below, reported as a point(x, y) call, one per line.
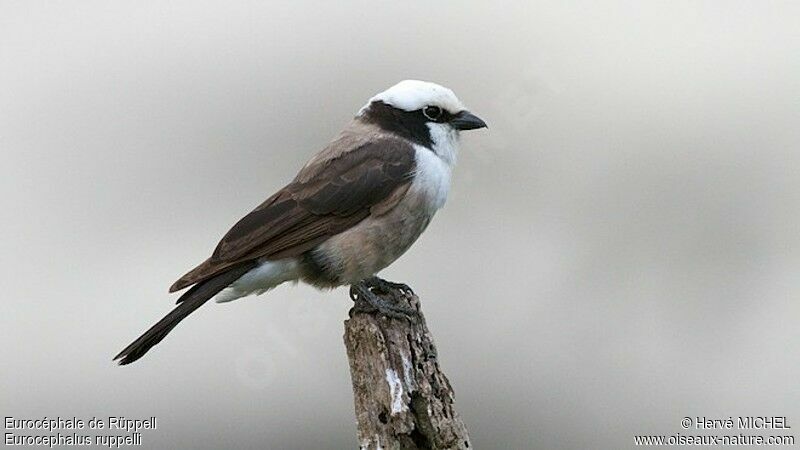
point(352, 210)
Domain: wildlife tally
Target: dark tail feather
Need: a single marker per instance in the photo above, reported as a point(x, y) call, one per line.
point(187, 304)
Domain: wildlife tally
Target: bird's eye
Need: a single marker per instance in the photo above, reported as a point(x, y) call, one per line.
point(432, 112)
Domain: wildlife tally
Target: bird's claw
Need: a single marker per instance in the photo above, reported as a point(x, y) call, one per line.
point(370, 296)
point(386, 287)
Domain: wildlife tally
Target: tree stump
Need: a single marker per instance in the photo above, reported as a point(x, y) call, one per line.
point(403, 400)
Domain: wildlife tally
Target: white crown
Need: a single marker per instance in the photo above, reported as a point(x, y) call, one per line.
point(411, 95)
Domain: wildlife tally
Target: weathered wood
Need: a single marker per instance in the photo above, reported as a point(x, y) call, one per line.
point(403, 400)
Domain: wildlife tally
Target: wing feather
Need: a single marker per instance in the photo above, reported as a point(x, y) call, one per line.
point(327, 197)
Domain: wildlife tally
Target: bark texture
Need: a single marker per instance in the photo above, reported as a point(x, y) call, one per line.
point(403, 400)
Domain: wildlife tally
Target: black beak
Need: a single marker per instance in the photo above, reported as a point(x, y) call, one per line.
point(465, 120)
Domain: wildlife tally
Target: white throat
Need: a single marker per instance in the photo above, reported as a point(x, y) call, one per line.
point(445, 141)
point(434, 166)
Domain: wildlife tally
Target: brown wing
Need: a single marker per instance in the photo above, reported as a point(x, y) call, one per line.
point(327, 197)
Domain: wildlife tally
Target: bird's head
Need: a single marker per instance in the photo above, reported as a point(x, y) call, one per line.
point(426, 113)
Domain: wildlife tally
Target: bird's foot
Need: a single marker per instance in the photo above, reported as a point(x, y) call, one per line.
point(376, 295)
point(386, 287)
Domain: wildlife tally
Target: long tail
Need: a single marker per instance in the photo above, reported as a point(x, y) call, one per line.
point(187, 304)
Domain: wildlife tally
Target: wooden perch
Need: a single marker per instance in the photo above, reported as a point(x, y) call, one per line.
point(403, 400)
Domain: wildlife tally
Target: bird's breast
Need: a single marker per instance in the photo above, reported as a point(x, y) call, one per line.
point(379, 240)
point(431, 182)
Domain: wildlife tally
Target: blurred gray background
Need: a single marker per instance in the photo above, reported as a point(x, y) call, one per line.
point(620, 249)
